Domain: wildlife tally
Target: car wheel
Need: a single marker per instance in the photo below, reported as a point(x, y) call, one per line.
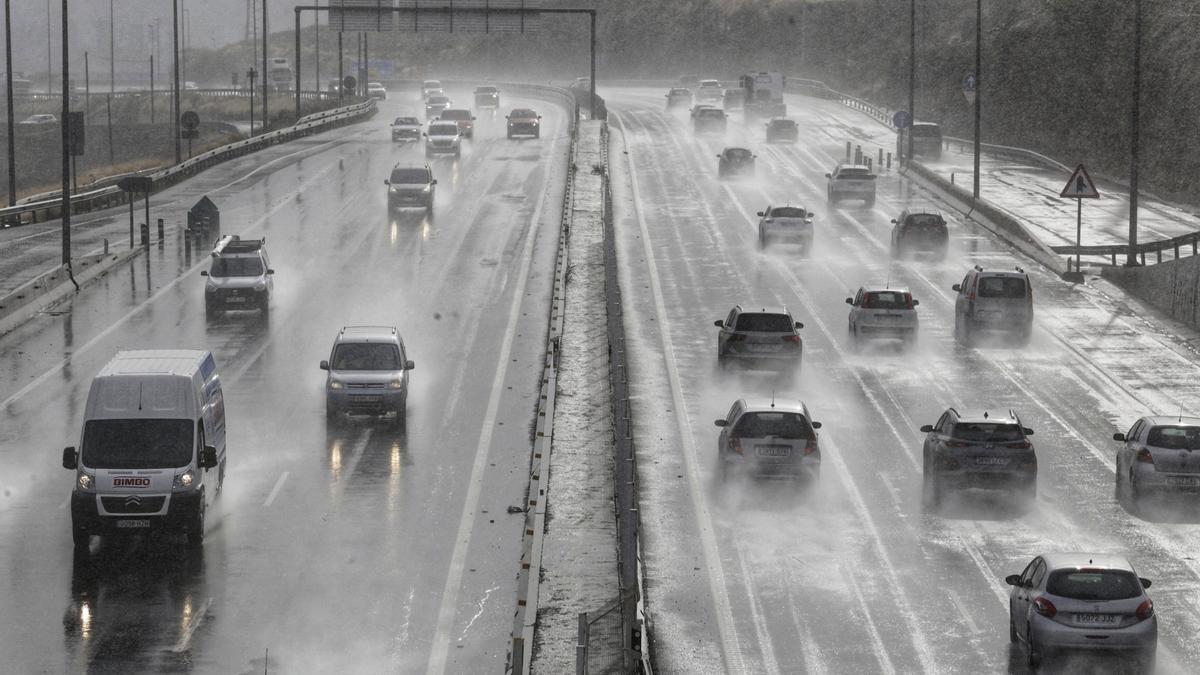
point(195, 534)
point(1135, 491)
point(1012, 629)
point(1032, 658)
point(81, 538)
point(331, 415)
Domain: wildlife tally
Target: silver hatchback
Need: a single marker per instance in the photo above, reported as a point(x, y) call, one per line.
point(766, 438)
point(368, 373)
point(1160, 454)
point(1082, 602)
point(766, 336)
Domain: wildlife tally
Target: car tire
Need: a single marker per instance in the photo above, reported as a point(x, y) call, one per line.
point(331, 415)
point(1033, 658)
point(81, 538)
point(1012, 629)
point(195, 533)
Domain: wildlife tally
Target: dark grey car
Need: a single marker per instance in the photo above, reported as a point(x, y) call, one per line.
point(978, 450)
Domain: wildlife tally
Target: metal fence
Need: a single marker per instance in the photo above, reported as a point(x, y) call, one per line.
point(601, 649)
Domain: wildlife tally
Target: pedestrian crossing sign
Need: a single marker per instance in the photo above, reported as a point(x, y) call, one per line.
point(1080, 186)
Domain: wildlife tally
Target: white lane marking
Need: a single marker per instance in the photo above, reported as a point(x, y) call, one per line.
point(275, 490)
point(770, 662)
point(197, 618)
point(90, 344)
point(880, 650)
point(962, 611)
point(439, 652)
point(730, 647)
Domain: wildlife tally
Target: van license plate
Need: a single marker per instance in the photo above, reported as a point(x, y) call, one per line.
point(366, 399)
point(1183, 481)
point(235, 298)
point(133, 523)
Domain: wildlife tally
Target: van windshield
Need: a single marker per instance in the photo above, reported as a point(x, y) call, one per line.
point(237, 267)
point(137, 444)
point(366, 356)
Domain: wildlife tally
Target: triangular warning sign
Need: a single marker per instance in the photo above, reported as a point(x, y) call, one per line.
point(1080, 186)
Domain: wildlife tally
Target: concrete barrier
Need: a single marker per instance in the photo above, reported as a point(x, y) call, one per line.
point(1172, 286)
point(51, 287)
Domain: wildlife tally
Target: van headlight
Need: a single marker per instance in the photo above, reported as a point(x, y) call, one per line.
point(397, 383)
point(427, 189)
point(85, 481)
point(260, 286)
point(183, 481)
point(210, 287)
point(336, 385)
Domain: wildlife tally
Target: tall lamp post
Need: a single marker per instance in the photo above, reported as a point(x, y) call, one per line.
point(64, 128)
point(8, 98)
point(912, 73)
point(1134, 112)
point(265, 74)
point(112, 49)
point(175, 89)
point(978, 79)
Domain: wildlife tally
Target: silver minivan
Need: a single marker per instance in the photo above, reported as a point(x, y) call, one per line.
point(993, 301)
point(368, 374)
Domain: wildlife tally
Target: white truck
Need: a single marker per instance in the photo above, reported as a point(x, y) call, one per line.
point(764, 95)
point(153, 429)
point(279, 74)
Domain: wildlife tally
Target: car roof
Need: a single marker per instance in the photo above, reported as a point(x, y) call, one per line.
point(884, 289)
point(1064, 559)
point(368, 333)
point(844, 165)
point(777, 309)
point(421, 167)
point(1173, 420)
point(766, 403)
point(981, 415)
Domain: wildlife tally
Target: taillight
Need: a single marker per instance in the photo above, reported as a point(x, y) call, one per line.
point(1144, 455)
point(1019, 445)
point(956, 444)
point(810, 448)
point(735, 444)
point(794, 339)
point(1045, 608)
point(908, 299)
point(1145, 610)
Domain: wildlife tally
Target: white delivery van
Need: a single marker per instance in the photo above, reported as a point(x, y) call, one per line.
point(153, 429)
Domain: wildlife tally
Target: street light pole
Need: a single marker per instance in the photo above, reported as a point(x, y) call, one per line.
point(175, 90)
point(64, 129)
point(912, 73)
point(1134, 113)
point(8, 98)
point(112, 49)
point(978, 90)
point(266, 74)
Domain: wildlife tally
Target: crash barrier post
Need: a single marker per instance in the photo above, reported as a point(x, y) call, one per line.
point(160, 230)
point(145, 227)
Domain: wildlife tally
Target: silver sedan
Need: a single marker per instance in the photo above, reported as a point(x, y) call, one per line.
point(1159, 453)
point(1082, 602)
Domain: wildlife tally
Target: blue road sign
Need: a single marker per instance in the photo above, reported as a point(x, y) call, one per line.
point(902, 119)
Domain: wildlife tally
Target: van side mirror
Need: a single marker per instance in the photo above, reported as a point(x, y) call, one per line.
point(203, 273)
point(816, 425)
point(409, 365)
point(208, 457)
point(721, 422)
point(434, 182)
point(799, 325)
point(760, 214)
point(270, 271)
point(926, 428)
point(893, 221)
point(1028, 431)
point(829, 175)
point(324, 365)
point(1118, 436)
point(957, 288)
point(70, 458)
point(916, 302)
point(387, 182)
point(849, 301)
point(1145, 582)
point(1013, 580)
point(719, 323)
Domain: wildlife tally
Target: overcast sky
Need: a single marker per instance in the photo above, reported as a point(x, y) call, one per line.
point(213, 23)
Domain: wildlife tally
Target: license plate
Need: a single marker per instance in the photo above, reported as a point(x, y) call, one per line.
point(991, 461)
point(1096, 619)
point(762, 348)
point(1189, 481)
point(366, 399)
point(133, 523)
point(235, 299)
point(773, 451)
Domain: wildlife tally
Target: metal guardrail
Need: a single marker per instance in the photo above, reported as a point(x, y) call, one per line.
point(51, 208)
point(139, 93)
point(1111, 251)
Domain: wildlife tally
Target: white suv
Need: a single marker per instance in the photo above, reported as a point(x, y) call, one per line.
point(443, 138)
point(240, 277)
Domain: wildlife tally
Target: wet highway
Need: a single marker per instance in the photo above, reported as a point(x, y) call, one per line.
point(333, 548)
point(855, 575)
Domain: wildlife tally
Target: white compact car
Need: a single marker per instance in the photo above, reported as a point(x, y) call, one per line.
point(883, 313)
point(443, 138)
point(785, 225)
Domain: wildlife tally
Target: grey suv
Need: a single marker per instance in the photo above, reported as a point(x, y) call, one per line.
point(768, 438)
point(240, 277)
point(767, 335)
point(978, 450)
point(411, 186)
point(995, 301)
point(368, 373)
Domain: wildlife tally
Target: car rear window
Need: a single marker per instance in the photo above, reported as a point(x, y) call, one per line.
point(886, 300)
point(788, 212)
point(410, 176)
point(778, 424)
point(456, 114)
point(926, 221)
point(710, 112)
point(737, 153)
point(926, 131)
point(987, 432)
point(438, 100)
point(366, 356)
point(486, 90)
point(783, 124)
point(764, 323)
point(1001, 287)
point(1094, 584)
point(1175, 438)
point(856, 174)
